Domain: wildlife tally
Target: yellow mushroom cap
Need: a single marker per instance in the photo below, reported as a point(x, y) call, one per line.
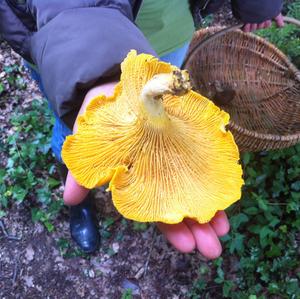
point(180, 162)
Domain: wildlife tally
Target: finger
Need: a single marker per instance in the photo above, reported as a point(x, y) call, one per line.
point(279, 20)
point(206, 239)
point(220, 224)
point(261, 25)
point(178, 235)
point(268, 23)
point(74, 193)
point(247, 27)
point(253, 27)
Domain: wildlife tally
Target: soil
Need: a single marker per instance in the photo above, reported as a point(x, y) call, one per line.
point(37, 264)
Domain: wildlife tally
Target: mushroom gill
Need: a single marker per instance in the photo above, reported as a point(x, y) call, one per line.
point(163, 148)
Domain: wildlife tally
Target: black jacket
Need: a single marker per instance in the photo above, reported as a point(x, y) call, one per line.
point(78, 43)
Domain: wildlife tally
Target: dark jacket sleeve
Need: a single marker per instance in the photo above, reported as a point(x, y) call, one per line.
point(13, 30)
point(256, 11)
point(79, 48)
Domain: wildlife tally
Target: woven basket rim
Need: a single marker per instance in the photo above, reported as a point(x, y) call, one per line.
point(280, 140)
point(215, 29)
point(263, 136)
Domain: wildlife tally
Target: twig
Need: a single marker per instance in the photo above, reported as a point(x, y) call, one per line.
point(6, 234)
point(143, 270)
point(150, 251)
point(14, 278)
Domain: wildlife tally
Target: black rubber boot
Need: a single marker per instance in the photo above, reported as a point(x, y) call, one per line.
point(83, 224)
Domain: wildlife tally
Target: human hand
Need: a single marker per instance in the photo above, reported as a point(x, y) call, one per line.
point(184, 236)
point(249, 27)
point(189, 235)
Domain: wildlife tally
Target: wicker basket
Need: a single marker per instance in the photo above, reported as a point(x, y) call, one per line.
point(253, 81)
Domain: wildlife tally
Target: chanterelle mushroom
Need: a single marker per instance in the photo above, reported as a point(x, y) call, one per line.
point(163, 147)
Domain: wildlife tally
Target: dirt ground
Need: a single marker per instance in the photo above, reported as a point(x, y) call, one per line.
point(37, 264)
point(33, 266)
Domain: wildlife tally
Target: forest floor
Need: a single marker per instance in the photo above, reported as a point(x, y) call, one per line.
point(36, 263)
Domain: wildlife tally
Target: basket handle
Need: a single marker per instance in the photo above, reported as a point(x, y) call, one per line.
point(221, 33)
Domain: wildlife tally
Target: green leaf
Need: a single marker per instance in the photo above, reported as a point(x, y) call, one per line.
point(55, 207)
point(36, 214)
point(293, 206)
point(203, 269)
point(246, 158)
point(53, 183)
point(251, 172)
point(227, 287)
point(63, 243)
point(296, 186)
point(127, 294)
point(293, 287)
point(274, 221)
point(19, 193)
point(201, 284)
point(108, 222)
point(295, 196)
point(49, 226)
point(140, 226)
point(105, 234)
point(10, 163)
point(273, 288)
point(275, 251)
point(237, 243)
point(1, 88)
point(219, 280)
point(251, 211)
point(2, 213)
point(263, 234)
point(238, 219)
point(44, 195)
point(2, 175)
point(262, 203)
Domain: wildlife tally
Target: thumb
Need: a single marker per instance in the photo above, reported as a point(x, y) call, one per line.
point(74, 193)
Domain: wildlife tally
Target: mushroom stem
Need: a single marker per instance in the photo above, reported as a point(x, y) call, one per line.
point(175, 83)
